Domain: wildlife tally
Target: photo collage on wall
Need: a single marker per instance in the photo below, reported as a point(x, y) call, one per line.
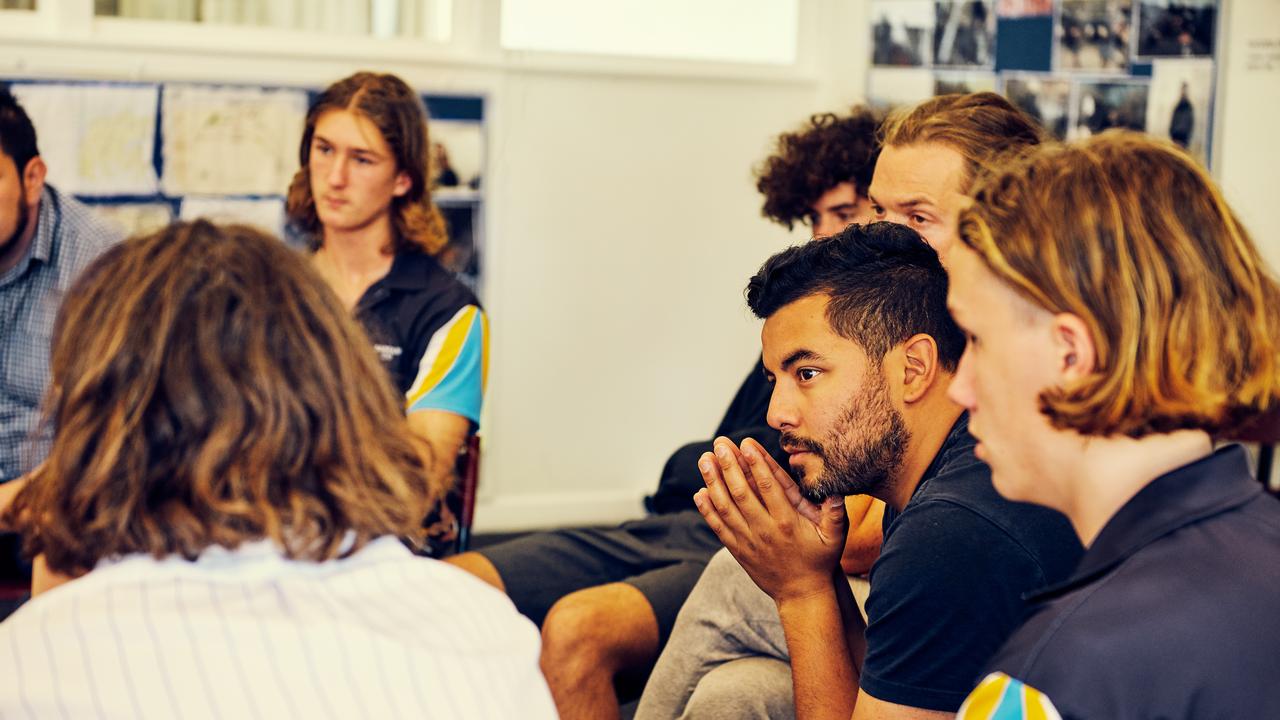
point(1077, 66)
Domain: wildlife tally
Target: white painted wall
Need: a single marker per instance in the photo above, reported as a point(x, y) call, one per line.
point(1248, 150)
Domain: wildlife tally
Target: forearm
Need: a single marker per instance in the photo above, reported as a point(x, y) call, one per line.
point(823, 673)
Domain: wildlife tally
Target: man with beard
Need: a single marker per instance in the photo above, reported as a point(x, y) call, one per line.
point(46, 238)
point(861, 350)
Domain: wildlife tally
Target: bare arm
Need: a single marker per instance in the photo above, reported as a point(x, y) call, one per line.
point(445, 432)
point(862, 548)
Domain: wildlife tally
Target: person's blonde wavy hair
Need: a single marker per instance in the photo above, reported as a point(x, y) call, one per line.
point(389, 103)
point(982, 127)
point(208, 388)
point(1131, 235)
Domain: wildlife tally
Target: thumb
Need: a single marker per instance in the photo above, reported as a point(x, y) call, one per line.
point(835, 519)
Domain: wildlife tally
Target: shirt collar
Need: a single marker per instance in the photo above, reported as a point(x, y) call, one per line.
point(409, 271)
point(1211, 485)
point(47, 219)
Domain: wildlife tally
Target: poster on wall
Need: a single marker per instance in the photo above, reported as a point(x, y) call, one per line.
point(1093, 35)
point(902, 33)
point(1046, 98)
point(96, 139)
point(1112, 103)
point(231, 140)
point(1177, 28)
point(1179, 103)
point(964, 33)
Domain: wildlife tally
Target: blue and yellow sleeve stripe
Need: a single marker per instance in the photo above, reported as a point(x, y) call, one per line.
point(454, 370)
point(1000, 697)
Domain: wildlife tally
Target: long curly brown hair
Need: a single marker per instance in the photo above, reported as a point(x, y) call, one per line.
point(828, 150)
point(389, 103)
point(209, 389)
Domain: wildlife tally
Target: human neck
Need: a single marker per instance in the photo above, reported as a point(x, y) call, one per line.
point(930, 422)
point(12, 253)
point(1109, 471)
point(352, 261)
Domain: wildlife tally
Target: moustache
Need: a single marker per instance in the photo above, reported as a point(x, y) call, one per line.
point(792, 441)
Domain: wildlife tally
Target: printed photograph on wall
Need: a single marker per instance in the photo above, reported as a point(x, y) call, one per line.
point(1093, 35)
point(1179, 103)
point(1179, 28)
point(964, 33)
point(1023, 8)
point(946, 82)
point(902, 32)
point(1043, 97)
point(1104, 104)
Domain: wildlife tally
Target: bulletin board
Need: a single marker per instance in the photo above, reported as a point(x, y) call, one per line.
point(1077, 66)
point(144, 154)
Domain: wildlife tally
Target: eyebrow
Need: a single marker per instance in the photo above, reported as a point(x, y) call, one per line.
point(799, 356)
point(910, 202)
point(364, 152)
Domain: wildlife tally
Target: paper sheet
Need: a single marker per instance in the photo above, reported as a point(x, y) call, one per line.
point(230, 140)
point(95, 139)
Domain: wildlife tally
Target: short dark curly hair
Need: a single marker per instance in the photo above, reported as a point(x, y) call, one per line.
point(828, 150)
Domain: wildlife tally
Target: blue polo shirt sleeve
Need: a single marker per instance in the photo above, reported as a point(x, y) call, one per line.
point(945, 594)
point(454, 368)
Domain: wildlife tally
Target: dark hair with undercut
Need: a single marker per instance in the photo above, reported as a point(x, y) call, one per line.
point(885, 284)
point(829, 150)
point(17, 134)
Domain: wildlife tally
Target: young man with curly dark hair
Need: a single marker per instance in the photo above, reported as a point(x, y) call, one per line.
point(819, 174)
point(606, 598)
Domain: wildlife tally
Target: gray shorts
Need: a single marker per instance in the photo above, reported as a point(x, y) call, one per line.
point(662, 556)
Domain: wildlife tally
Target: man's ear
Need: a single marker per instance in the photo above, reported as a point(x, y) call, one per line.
point(33, 181)
point(1073, 345)
point(920, 366)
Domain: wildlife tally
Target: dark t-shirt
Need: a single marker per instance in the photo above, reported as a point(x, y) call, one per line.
point(948, 587)
point(1173, 613)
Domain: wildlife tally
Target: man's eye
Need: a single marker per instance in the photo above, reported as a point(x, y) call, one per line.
point(806, 374)
point(919, 219)
point(879, 211)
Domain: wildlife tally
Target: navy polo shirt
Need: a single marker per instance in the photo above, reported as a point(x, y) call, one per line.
point(948, 587)
point(1173, 613)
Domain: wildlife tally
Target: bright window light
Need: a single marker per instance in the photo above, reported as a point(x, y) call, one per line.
point(750, 31)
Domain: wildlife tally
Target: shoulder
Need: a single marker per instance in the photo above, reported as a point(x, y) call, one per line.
point(430, 283)
point(81, 235)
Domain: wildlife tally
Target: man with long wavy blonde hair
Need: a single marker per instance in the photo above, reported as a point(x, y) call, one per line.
point(1120, 317)
point(228, 484)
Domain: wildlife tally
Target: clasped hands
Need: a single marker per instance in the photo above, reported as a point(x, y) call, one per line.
point(787, 544)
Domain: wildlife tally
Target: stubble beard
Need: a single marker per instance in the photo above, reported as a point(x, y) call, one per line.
point(863, 453)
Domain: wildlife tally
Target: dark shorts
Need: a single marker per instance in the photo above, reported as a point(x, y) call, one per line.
point(661, 556)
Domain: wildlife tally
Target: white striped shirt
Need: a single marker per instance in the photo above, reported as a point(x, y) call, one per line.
point(252, 634)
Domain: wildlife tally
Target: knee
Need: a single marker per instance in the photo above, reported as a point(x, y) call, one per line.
point(722, 566)
point(574, 627)
point(608, 627)
point(720, 693)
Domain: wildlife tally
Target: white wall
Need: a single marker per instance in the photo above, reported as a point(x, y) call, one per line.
point(1248, 153)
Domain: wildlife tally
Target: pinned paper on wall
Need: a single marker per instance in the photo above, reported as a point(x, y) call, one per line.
point(96, 140)
point(231, 140)
point(266, 214)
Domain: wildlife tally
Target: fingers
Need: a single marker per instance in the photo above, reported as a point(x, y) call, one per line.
point(790, 489)
point(730, 496)
point(771, 493)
